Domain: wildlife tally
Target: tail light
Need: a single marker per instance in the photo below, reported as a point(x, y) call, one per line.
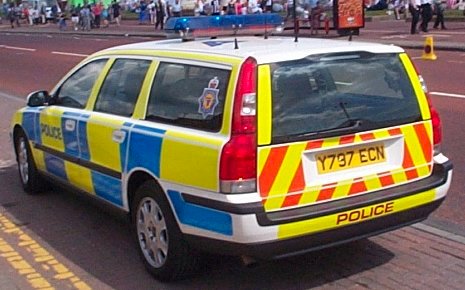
point(435, 119)
point(238, 162)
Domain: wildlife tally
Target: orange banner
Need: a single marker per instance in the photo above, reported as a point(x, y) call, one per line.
point(350, 14)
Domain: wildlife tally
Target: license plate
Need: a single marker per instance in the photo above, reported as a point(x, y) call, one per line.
point(350, 158)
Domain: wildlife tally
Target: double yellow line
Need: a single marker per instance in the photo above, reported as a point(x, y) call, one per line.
point(42, 259)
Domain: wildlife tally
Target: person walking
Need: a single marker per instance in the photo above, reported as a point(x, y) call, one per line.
point(160, 9)
point(439, 7)
point(414, 9)
point(176, 9)
point(426, 14)
point(116, 12)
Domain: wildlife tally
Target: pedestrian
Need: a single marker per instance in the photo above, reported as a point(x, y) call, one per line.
point(160, 9)
point(414, 9)
point(85, 16)
point(426, 14)
point(116, 12)
point(152, 12)
point(75, 18)
point(439, 7)
point(97, 11)
point(176, 9)
point(62, 21)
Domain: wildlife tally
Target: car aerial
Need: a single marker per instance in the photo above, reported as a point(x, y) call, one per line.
point(257, 147)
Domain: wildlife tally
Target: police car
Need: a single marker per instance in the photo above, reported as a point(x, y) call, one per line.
point(259, 148)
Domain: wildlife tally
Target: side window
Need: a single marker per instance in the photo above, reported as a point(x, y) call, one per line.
point(189, 96)
point(75, 91)
point(121, 87)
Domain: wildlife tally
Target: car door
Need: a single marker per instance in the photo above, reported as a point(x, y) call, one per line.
point(59, 122)
point(105, 141)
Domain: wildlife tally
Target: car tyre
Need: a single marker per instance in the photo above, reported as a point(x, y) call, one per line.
point(165, 253)
point(31, 180)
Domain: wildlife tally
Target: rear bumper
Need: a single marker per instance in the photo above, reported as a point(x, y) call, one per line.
point(300, 245)
point(251, 231)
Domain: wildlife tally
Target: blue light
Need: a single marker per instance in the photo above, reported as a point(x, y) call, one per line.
point(217, 18)
point(184, 19)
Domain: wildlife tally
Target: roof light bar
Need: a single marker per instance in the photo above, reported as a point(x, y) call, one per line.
point(225, 24)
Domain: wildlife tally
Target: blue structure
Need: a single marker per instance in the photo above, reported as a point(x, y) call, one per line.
point(216, 24)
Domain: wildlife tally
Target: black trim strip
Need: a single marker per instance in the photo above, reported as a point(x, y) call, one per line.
point(277, 249)
point(79, 161)
point(237, 208)
point(438, 177)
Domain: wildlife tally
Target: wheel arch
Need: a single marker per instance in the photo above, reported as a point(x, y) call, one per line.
point(135, 180)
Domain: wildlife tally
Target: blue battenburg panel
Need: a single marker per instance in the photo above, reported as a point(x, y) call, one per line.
point(70, 138)
point(55, 166)
point(107, 187)
point(201, 217)
point(82, 133)
point(31, 124)
point(145, 148)
point(124, 146)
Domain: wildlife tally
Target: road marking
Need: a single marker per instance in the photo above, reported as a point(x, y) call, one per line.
point(448, 95)
point(70, 54)
point(455, 61)
point(41, 256)
point(35, 279)
point(17, 48)
point(13, 98)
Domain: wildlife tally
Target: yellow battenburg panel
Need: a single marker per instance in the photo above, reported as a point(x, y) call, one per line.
point(79, 176)
point(411, 72)
point(181, 157)
point(50, 128)
point(39, 158)
point(264, 105)
point(17, 118)
point(285, 176)
point(103, 149)
point(329, 222)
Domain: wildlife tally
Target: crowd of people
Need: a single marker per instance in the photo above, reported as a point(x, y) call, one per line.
point(156, 12)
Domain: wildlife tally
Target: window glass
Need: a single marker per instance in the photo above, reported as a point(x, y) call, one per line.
point(188, 95)
point(320, 95)
point(75, 91)
point(121, 87)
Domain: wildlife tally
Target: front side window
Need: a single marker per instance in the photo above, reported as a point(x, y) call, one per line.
point(121, 87)
point(322, 95)
point(75, 91)
point(189, 96)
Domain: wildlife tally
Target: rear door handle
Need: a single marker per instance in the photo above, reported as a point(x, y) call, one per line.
point(118, 136)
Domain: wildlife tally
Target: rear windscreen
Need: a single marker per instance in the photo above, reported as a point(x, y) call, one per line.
point(326, 94)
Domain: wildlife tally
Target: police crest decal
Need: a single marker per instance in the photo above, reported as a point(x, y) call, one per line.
point(209, 98)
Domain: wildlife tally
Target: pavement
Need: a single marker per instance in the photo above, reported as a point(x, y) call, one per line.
point(383, 29)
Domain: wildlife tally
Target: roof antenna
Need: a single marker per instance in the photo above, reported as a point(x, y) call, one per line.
point(296, 28)
point(266, 32)
point(236, 28)
point(351, 32)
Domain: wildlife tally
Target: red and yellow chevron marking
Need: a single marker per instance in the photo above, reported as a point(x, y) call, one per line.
point(281, 180)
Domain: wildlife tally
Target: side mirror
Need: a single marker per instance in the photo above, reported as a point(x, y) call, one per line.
point(38, 98)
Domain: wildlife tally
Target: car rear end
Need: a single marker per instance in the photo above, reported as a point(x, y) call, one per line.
point(336, 146)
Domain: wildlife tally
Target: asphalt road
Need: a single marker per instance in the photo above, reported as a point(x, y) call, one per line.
point(94, 243)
